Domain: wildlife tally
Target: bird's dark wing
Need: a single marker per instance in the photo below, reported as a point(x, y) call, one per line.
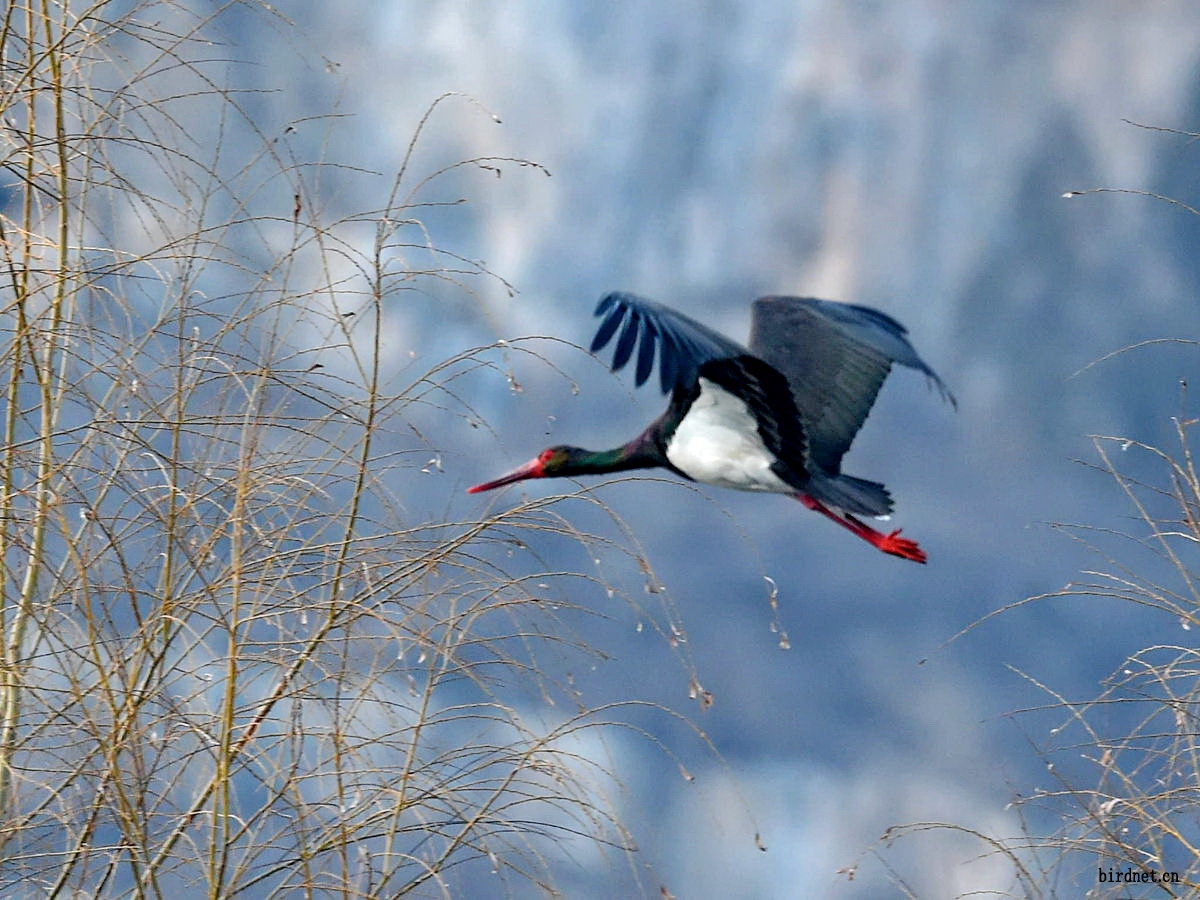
point(683, 344)
point(835, 357)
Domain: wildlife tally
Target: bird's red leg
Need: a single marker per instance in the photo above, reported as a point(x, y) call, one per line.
point(889, 543)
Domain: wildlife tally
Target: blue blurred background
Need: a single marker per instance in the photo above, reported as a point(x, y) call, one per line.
point(911, 156)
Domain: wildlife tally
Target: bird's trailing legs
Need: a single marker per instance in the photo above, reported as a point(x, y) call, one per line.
point(889, 543)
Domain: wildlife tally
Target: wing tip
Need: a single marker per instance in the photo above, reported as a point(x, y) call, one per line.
point(946, 393)
point(639, 325)
point(608, 300)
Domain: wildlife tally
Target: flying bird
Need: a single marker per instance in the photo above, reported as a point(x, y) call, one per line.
point(776, 415)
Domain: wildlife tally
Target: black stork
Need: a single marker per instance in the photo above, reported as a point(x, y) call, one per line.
point(775, 416)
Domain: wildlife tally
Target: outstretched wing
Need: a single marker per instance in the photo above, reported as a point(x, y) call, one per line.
point(683, 344)
point(835, 357)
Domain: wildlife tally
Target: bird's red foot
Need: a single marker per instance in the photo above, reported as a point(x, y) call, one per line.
point(888, 543)
point(902, 547)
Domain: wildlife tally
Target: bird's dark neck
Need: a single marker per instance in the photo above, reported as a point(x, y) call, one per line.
point(640, 453)
point(646, 451)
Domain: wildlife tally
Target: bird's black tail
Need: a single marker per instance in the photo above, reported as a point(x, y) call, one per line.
point(850, 494)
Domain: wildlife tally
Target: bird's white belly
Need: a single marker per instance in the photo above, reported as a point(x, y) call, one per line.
point(718, 443)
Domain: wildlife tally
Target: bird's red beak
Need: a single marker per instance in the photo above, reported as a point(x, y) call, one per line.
point(532, 469)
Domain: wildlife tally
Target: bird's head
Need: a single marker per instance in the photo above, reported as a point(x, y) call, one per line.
point(550, 463)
